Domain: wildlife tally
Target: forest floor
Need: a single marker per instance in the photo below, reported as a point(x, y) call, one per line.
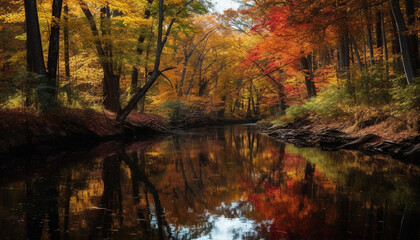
point(374, 134)
point(30, 130)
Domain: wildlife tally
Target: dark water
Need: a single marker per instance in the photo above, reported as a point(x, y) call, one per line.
point(215, 183)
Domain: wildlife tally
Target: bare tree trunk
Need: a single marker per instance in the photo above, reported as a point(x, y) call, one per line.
point(403, 39)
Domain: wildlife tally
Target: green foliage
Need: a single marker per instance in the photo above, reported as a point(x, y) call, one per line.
point(369, 88)
point(406, 96)
point(326, 104)
point(175, 109)
point(45, 96)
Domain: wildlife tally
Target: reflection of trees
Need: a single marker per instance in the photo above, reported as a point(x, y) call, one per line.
point(188, 175)
point(141, 176)
point(67, 196)
point(42, 207)
point(111, 200)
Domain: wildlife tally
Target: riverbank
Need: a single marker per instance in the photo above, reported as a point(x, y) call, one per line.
point(196, 121)
point(24, 130)
point(337, 135)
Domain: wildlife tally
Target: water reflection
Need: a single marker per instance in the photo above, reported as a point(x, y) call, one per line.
point(216, 183)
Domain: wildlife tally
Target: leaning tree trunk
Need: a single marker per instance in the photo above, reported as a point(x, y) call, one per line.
point(161, 41)
point(403, 39)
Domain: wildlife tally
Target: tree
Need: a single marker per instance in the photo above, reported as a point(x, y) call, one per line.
point(54, 46)
point(35, 55)
point(403, 39)
point(161, 41)
point(110, 67)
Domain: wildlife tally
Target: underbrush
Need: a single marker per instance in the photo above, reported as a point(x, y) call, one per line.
point(395, 110)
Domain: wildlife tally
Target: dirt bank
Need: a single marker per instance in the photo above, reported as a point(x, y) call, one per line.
point(23, 130)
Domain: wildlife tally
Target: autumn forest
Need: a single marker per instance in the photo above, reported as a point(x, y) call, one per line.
point(268, 59)
point(201, 119)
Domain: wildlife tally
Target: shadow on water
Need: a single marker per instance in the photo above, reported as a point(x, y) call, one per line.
point(219, 183)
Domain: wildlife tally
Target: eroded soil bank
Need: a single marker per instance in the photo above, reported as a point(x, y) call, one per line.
point(22, 130)
point(306, 133)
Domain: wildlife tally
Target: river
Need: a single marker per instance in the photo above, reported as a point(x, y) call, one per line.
point(210, 183)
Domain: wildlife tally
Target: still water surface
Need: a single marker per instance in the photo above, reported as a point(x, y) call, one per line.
point(211, 183)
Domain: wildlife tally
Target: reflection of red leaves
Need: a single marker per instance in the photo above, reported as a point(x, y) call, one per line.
point(254, 198)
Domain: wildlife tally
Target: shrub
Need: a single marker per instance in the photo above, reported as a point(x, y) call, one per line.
point(406, 96)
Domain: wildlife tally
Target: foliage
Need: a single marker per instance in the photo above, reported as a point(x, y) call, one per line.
point(246, 63)
point(175, 109)
point(406, 96)
point(329, 104)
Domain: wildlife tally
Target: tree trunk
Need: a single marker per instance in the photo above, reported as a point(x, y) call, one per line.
point(134, 79)
point(384, 44)
point(378, 30)
point(111, 81)
point(410, 7)
point(282, 101)
point(403, 39)
point(395, 44)
point(369, 34)
point(140, 41)
point(35, 56)
point(345, 61)
point(54, 47)
point(66, 42)
point(356, 52)
point(184, 73)
point(311, 73)
point(161, 41)
point(344, 57)
point(67, 51)
point(370, 45)
point(310, 86)
point(111, 93)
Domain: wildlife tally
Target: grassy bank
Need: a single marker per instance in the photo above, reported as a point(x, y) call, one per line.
point(392, 118)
